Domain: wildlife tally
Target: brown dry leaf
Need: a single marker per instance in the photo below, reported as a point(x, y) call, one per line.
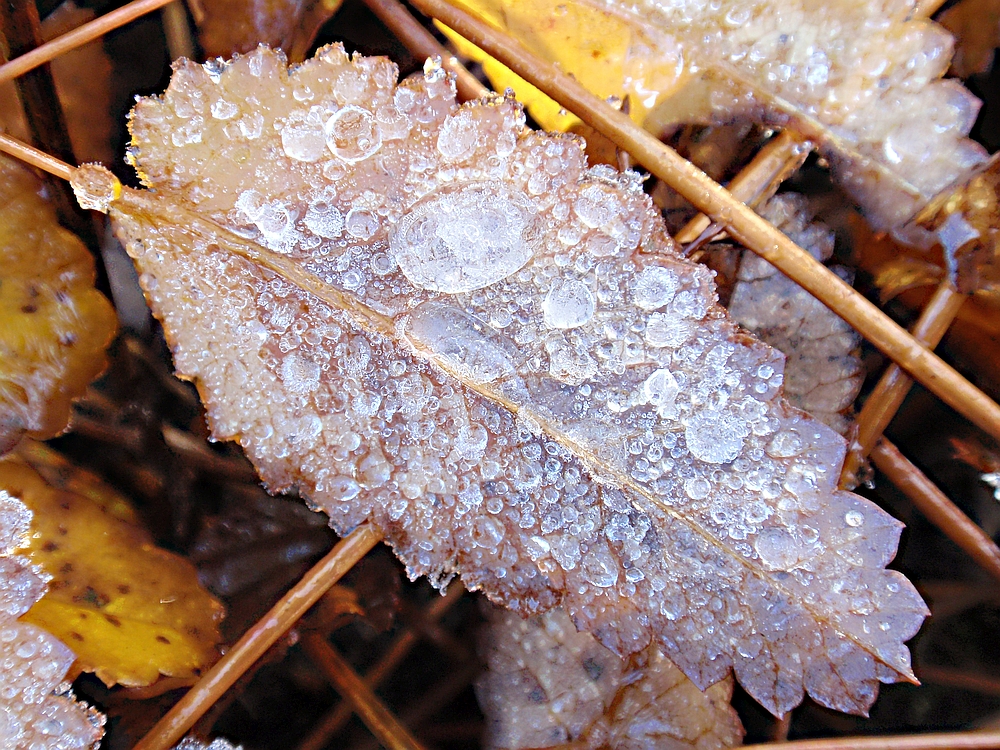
point(54, 326)
point(547, 684)
point(966, 222)
point(229, 26)
point(130, 610)
point(419, 314)
point(905, 272)
point(823, 370)
point(863, 80)
point(81, 79)
point(976, 26)
point(37, 709)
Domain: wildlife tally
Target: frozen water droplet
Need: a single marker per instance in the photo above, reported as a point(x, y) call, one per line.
point(569, 361)
point(568, 304)
point(461, 342)
point(785, 444)
point(715, 436)
point(303, 141)
point(854, 518)
point(458, 136)
point(599, 567)
point(654, 287)
point(361, 223)
point(664, 329)
point(353, 134)
point(300, 375)
point(596, 207)
point(776, 548)
point(660, 390)
point(324, 220)
point(251, 125)
point(465, 237)
point(697, 488)
point(223, 110)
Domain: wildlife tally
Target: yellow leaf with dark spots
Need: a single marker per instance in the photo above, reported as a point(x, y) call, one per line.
point(54, 326)
point(129, 610)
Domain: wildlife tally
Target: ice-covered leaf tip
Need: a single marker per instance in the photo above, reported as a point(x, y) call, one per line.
point(54, 325)
point(420, 314)
point(37, 709)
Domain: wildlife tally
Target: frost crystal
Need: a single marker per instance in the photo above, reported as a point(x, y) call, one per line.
point(37, 709)
point(512, 373)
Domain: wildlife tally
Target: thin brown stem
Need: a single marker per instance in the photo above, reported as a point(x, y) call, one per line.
point(940, 741)
point(746, 226)
point(772, 165)
point(936, 506)
point(891, 389)
point(35, 157)
point(403, 643)
point(177, 30)
point(960, 679)
point(388, 730)
point(422, 44)
point(77, 38)
point(259, 638)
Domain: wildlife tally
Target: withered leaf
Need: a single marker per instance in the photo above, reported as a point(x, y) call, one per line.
point(36, 707)
point(863, 80)
point(823, 372)
point(419, 314)
point(976, 26)
point(229, 26)
point(54, 326)
point(130, 610)
point(547, 684)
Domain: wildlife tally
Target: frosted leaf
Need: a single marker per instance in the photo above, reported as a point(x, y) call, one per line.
point(546, 684)
point(36, 708)
point(548, 466)
point(823, 372)
point(189, 743)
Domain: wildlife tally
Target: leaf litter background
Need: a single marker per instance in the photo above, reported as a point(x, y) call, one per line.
point(203, 501)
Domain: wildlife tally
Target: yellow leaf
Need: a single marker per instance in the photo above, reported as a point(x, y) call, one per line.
point(129, 610)
point(54, 325)
point(612, 55)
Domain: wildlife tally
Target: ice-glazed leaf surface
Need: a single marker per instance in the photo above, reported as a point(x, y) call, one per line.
point(130, 610)
point(37, 709)
point(416, 313)
point(547, 685)
point(54, 326)
point(861, 78)
point(823, 369)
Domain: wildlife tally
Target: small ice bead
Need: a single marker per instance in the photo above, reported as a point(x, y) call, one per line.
point(95, 187)
point(569, 304)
